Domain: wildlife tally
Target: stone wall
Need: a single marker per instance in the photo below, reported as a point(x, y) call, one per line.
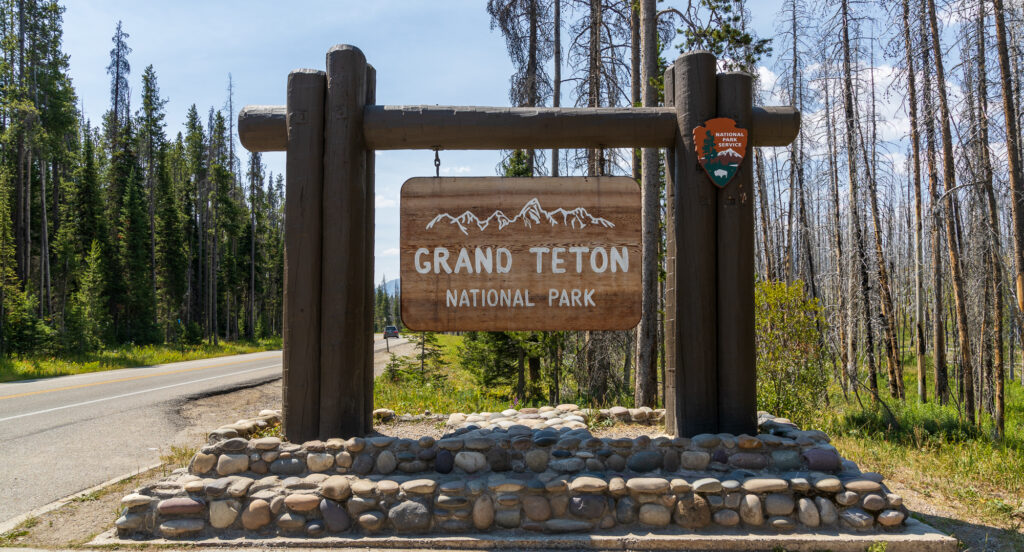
point(504, 478)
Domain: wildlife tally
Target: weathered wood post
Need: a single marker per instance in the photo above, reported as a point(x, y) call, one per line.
point(669, 377)
point(304, 169)
point(346, 328)
point(690, 305)
point(329, 128)
point(737, 376)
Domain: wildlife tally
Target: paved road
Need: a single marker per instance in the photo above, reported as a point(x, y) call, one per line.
point(62, 435)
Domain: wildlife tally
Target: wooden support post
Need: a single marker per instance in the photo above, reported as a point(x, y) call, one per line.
point(690, 319)
point(304, 168)
point(737, 376)
point(670, 247)
point(346, 332)
point(371, 98)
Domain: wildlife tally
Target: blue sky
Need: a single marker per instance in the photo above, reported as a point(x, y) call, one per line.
point(437, 52)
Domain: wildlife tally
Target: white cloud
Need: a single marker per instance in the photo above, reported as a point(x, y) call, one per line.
point(382, 201)
point(461, 169)
point(389, 252)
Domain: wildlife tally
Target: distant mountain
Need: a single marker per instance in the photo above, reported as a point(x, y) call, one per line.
point(531, 214)
point(391, 287)
point(729, 152)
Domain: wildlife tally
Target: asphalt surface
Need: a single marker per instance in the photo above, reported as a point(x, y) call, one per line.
point(59, 436)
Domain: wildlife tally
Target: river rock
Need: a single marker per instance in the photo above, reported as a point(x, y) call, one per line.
point(707, 485)
point(891, 518)
point(335, 487)
point(335, 516)
point(693, 514)
point(178, 527)
point(223, 513)
point(749, 460)
point(873, 502)
point(587, 506)
point(750, 510)
point(483, 512)
point(625, 510)
point(847, 498)
point(180, 506)
point(256, 515)
point(567, 525)
point(807, 513)
point(371, 521)
point(470, 462)
point(228, 464)
point(726, 518)
point(507, 519)
point(857, 518)
point(785, 460)
point(385, 463)
point(302, 502)
point(822, 460)
point(444, 462)
point(203, 462)
point(649, 485)
point(781, 523)
point(410, 517)
point(778, 504)
point(655, 515)
point(670, 461)
point(319, 461)
point(826, 511)
point(536, 460)
point(287, 466)
point(588, 485)
point(644, 461)
point(498, 459)
point(536, 508)
point(765, 485)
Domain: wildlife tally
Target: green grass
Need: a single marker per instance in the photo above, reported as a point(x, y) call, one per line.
point(452, 390)
point(932, 450)
point(128, 356)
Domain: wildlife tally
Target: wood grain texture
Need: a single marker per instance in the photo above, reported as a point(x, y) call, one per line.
point(369, 202)
point(262, 127)
point(691, 321)
point(302, 235)
point(670, 251)
point(452, 127)
point(345, 330)
point(737, 375)
point(426, 299)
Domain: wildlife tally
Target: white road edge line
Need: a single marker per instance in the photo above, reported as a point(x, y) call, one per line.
point(94, 401)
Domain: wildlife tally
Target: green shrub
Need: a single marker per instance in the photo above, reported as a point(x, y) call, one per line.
point(791, 377)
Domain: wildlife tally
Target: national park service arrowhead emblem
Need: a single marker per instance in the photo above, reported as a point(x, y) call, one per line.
point(720, 148)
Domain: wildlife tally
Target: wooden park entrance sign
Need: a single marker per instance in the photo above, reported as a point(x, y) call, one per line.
point(330, 127)
point(503, 254)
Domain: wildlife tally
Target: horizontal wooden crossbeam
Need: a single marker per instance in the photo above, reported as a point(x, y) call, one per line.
point(264, 128)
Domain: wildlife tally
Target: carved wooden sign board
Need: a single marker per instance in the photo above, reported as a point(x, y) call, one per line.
point(501, 254)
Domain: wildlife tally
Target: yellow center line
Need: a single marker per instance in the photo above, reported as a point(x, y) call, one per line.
point(132, 378)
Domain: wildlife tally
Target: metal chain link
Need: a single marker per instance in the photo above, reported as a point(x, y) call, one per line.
point(437, 164)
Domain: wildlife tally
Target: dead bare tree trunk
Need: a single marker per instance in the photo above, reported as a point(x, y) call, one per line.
point(915, 148)
point(949, 179)
point(858, 266)
point(645, 393)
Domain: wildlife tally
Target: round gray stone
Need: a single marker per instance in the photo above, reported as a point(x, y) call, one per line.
point(410, 517)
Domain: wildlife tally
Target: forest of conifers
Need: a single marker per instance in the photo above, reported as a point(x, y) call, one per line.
point(122, 230)
point(899, 209)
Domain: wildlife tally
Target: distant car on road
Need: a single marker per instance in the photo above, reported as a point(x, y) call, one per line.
point(390, 331)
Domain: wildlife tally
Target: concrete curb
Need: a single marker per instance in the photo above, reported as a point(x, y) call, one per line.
point(916, 537)
point(14, 522)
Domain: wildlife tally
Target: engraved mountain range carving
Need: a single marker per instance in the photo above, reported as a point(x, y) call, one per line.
point(530, 215)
